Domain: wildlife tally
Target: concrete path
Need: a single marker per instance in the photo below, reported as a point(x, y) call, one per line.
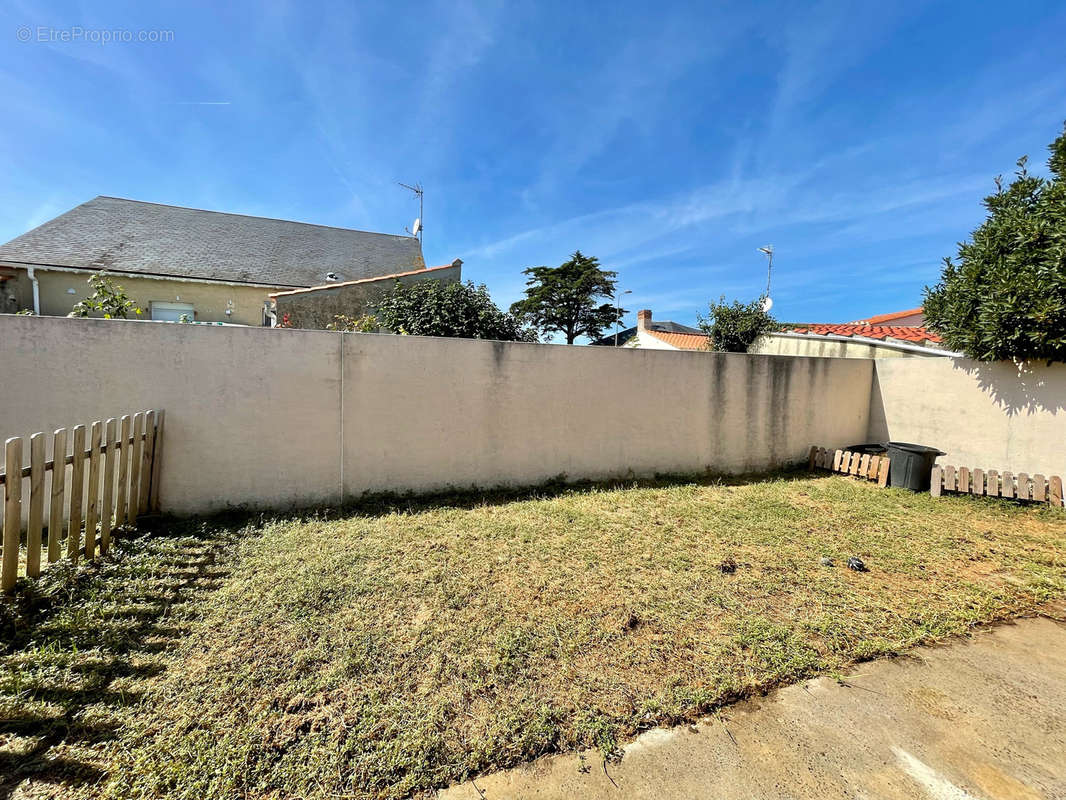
point(979, 718)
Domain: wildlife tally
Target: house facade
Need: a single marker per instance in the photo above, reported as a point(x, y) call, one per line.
point(620, 338)
point(898, 334)
point(650, 335)
point(851, 340)
point(208, 266)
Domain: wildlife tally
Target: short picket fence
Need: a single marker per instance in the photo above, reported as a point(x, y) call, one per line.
point(112, 481)
point(946, 478)
point(860, 465)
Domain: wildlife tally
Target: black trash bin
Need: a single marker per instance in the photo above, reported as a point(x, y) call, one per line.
point(868, 449)
point(910, 465)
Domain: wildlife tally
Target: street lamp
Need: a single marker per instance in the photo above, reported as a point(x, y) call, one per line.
point(618, 313)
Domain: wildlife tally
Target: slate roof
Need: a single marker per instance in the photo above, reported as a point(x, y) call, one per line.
point(906, 333)
point(629, 333)
point(117, 235)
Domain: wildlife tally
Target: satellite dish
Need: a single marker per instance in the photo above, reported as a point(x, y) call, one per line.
point(416, 227)
point(767, 303)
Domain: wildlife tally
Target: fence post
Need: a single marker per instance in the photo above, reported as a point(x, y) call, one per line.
point(77, 488)
point(59, 482)
point(882, 472)
point(122, 497)
point(36, 515)
point(935, 478)
point(12, 511)
point(146, 464)
point(157, 461)
point(109, 486)
point(135, 469)
point(92, 515)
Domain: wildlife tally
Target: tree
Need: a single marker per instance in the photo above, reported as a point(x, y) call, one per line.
point(735, 327)
point(563, 299)
point(1004, 298)
point(463, 310)
point(108, 298)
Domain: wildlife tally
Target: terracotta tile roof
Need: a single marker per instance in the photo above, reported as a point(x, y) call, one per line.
point(682, 341)
point(906, 333)
point(881, 319)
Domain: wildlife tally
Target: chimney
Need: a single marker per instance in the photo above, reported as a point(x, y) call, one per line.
point(643, 319)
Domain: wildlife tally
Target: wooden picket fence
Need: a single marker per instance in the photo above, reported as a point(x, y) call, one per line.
point(993, 483)
point(861, 465)
point(121, 482)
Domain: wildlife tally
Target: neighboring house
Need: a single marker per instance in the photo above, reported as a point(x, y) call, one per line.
point(912, 317)
point(853, 340)
point(629, 333)
point(318, 306)
point(900, 334)
point(208, 265)
point(650, 335)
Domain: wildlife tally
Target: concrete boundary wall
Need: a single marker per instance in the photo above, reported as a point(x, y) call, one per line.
point(277, 418)
point(992, 416)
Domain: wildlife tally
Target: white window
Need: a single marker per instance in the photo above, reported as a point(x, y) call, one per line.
point(172, 312)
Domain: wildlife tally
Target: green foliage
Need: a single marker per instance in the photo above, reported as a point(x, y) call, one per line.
point(563, 299)
point(462, 310)
point(25, 312)
point(1004, 297)
point(108, 298)
point(735, 327)
point(367, 323)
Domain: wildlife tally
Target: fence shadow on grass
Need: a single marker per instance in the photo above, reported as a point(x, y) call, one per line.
point(76, 645)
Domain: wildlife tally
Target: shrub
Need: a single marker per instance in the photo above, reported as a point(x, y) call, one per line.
point(1004, 297)
point(735, 327)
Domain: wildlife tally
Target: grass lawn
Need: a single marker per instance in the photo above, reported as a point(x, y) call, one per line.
point(402, 646)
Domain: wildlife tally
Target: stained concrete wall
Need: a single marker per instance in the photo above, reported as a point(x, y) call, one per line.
point(992, 416)
point(799, 345)
point(431, 413)
point(252, 414)
point(273, 418)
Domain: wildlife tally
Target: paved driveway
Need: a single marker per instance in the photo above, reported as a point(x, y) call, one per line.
point(979, 718)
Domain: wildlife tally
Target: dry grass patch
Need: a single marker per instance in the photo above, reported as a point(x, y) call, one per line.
point(404, 647)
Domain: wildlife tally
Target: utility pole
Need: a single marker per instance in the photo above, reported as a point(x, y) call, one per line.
point(618, 313)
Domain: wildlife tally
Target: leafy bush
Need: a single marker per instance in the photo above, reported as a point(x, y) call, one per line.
point(735, 327)
point(462, 310)
point(367, 323)
point(1004, 298)
point(108, 298)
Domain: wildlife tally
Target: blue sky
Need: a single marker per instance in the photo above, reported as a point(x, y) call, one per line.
point(668, 139)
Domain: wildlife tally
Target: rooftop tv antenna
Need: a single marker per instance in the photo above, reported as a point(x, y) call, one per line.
point(768, 251)
point(416, 226)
